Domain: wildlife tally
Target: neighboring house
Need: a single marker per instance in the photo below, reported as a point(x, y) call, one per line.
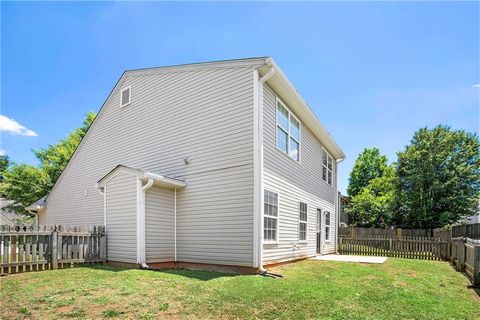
point(7, 215)
point(343, 202)
point(474, 219)
point(205, 165)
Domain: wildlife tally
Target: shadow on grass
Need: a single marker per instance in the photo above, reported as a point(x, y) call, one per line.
point(203, 275)
point(475, 289)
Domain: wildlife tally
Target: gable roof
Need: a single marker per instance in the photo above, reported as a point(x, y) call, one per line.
point(158, 179)
point(278, 82)
point(38, 205)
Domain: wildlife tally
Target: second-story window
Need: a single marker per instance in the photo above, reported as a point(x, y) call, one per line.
point(288, 132)
point(327, 167)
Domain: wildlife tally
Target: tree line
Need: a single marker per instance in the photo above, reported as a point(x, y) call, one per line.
point(25, 184)
point(435, 182)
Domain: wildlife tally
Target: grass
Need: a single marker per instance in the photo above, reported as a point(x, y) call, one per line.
point(398, 289)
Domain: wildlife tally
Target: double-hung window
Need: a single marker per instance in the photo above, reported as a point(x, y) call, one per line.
point(270, 216)
point(288, 132)
point(327, 167)
point(327, 226)
point(302, 222)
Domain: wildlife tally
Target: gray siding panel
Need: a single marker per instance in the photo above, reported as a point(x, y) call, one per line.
point(121, 203)
point(308, 172)
point(290, 197)
point(159, 224)
point(206, 115)
point(294, 182)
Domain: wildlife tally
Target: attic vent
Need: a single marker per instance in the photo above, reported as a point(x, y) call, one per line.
point(125, 96)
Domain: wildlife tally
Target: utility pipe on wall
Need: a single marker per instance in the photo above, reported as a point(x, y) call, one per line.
point(260, 192)
point(143, 259)
point(175, 224)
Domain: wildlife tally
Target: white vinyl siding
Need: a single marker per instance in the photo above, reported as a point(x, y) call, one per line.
point(270, 219)
point(205, 114)
point(295, 182)
point(288, 246)
point(159, 225)
point(121, 205)
point(308, 172)
point(288, 132)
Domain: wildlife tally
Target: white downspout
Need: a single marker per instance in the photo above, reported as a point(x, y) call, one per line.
point(175, 224)
point(143, 259)
point(103, 192)
point(259, 150)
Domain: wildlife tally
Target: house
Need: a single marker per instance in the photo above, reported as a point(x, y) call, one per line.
point(8, 214)
point(209, 165)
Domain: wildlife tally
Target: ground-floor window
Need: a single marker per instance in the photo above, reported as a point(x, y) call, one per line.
point(302, 222)
point(270, 216)
point(327, 226)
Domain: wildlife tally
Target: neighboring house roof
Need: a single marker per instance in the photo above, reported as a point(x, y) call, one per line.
point(157, 178)
point(8, 216)
point(38, 205)
point(278, 82)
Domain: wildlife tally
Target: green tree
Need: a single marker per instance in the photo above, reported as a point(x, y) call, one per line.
point(369, 165)
point(373, 206)
point(438, 178)
point(4, 163)
point(54, 158)
point(25, 184)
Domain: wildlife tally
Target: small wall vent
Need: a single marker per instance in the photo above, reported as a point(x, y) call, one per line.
point(125, 96)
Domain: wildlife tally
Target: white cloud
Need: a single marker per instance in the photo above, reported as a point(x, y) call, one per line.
point(2, 152)
point(12, 126)
point(477, 85)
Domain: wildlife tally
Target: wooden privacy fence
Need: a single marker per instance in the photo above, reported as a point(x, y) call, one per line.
point(456, 244)
point(466, 258)
point(26, 248)
point(361, 232)
point(471, 231)
point(406, 247)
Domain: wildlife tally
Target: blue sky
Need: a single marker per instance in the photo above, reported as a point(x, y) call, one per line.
point(373, 72)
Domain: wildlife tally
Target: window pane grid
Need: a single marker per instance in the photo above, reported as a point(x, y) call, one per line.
point(270, 219)
point(327, 225)
point(327, 167)
point(288, 132)
point(302, 224)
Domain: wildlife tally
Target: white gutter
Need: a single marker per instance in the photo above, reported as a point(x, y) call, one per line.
point(258, 165)
point(143, 259)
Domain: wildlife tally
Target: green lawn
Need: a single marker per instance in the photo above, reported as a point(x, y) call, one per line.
point(398, 289)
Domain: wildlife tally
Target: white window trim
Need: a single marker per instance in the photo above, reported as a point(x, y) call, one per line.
point(329, 156)
point(287, 130)
point(129, 96)
point(277, 217)
point(303, 221)
point(329, 240)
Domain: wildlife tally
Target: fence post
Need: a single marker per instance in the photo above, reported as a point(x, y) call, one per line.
point(476, 266)
point(54, 250)
point(399, 233)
